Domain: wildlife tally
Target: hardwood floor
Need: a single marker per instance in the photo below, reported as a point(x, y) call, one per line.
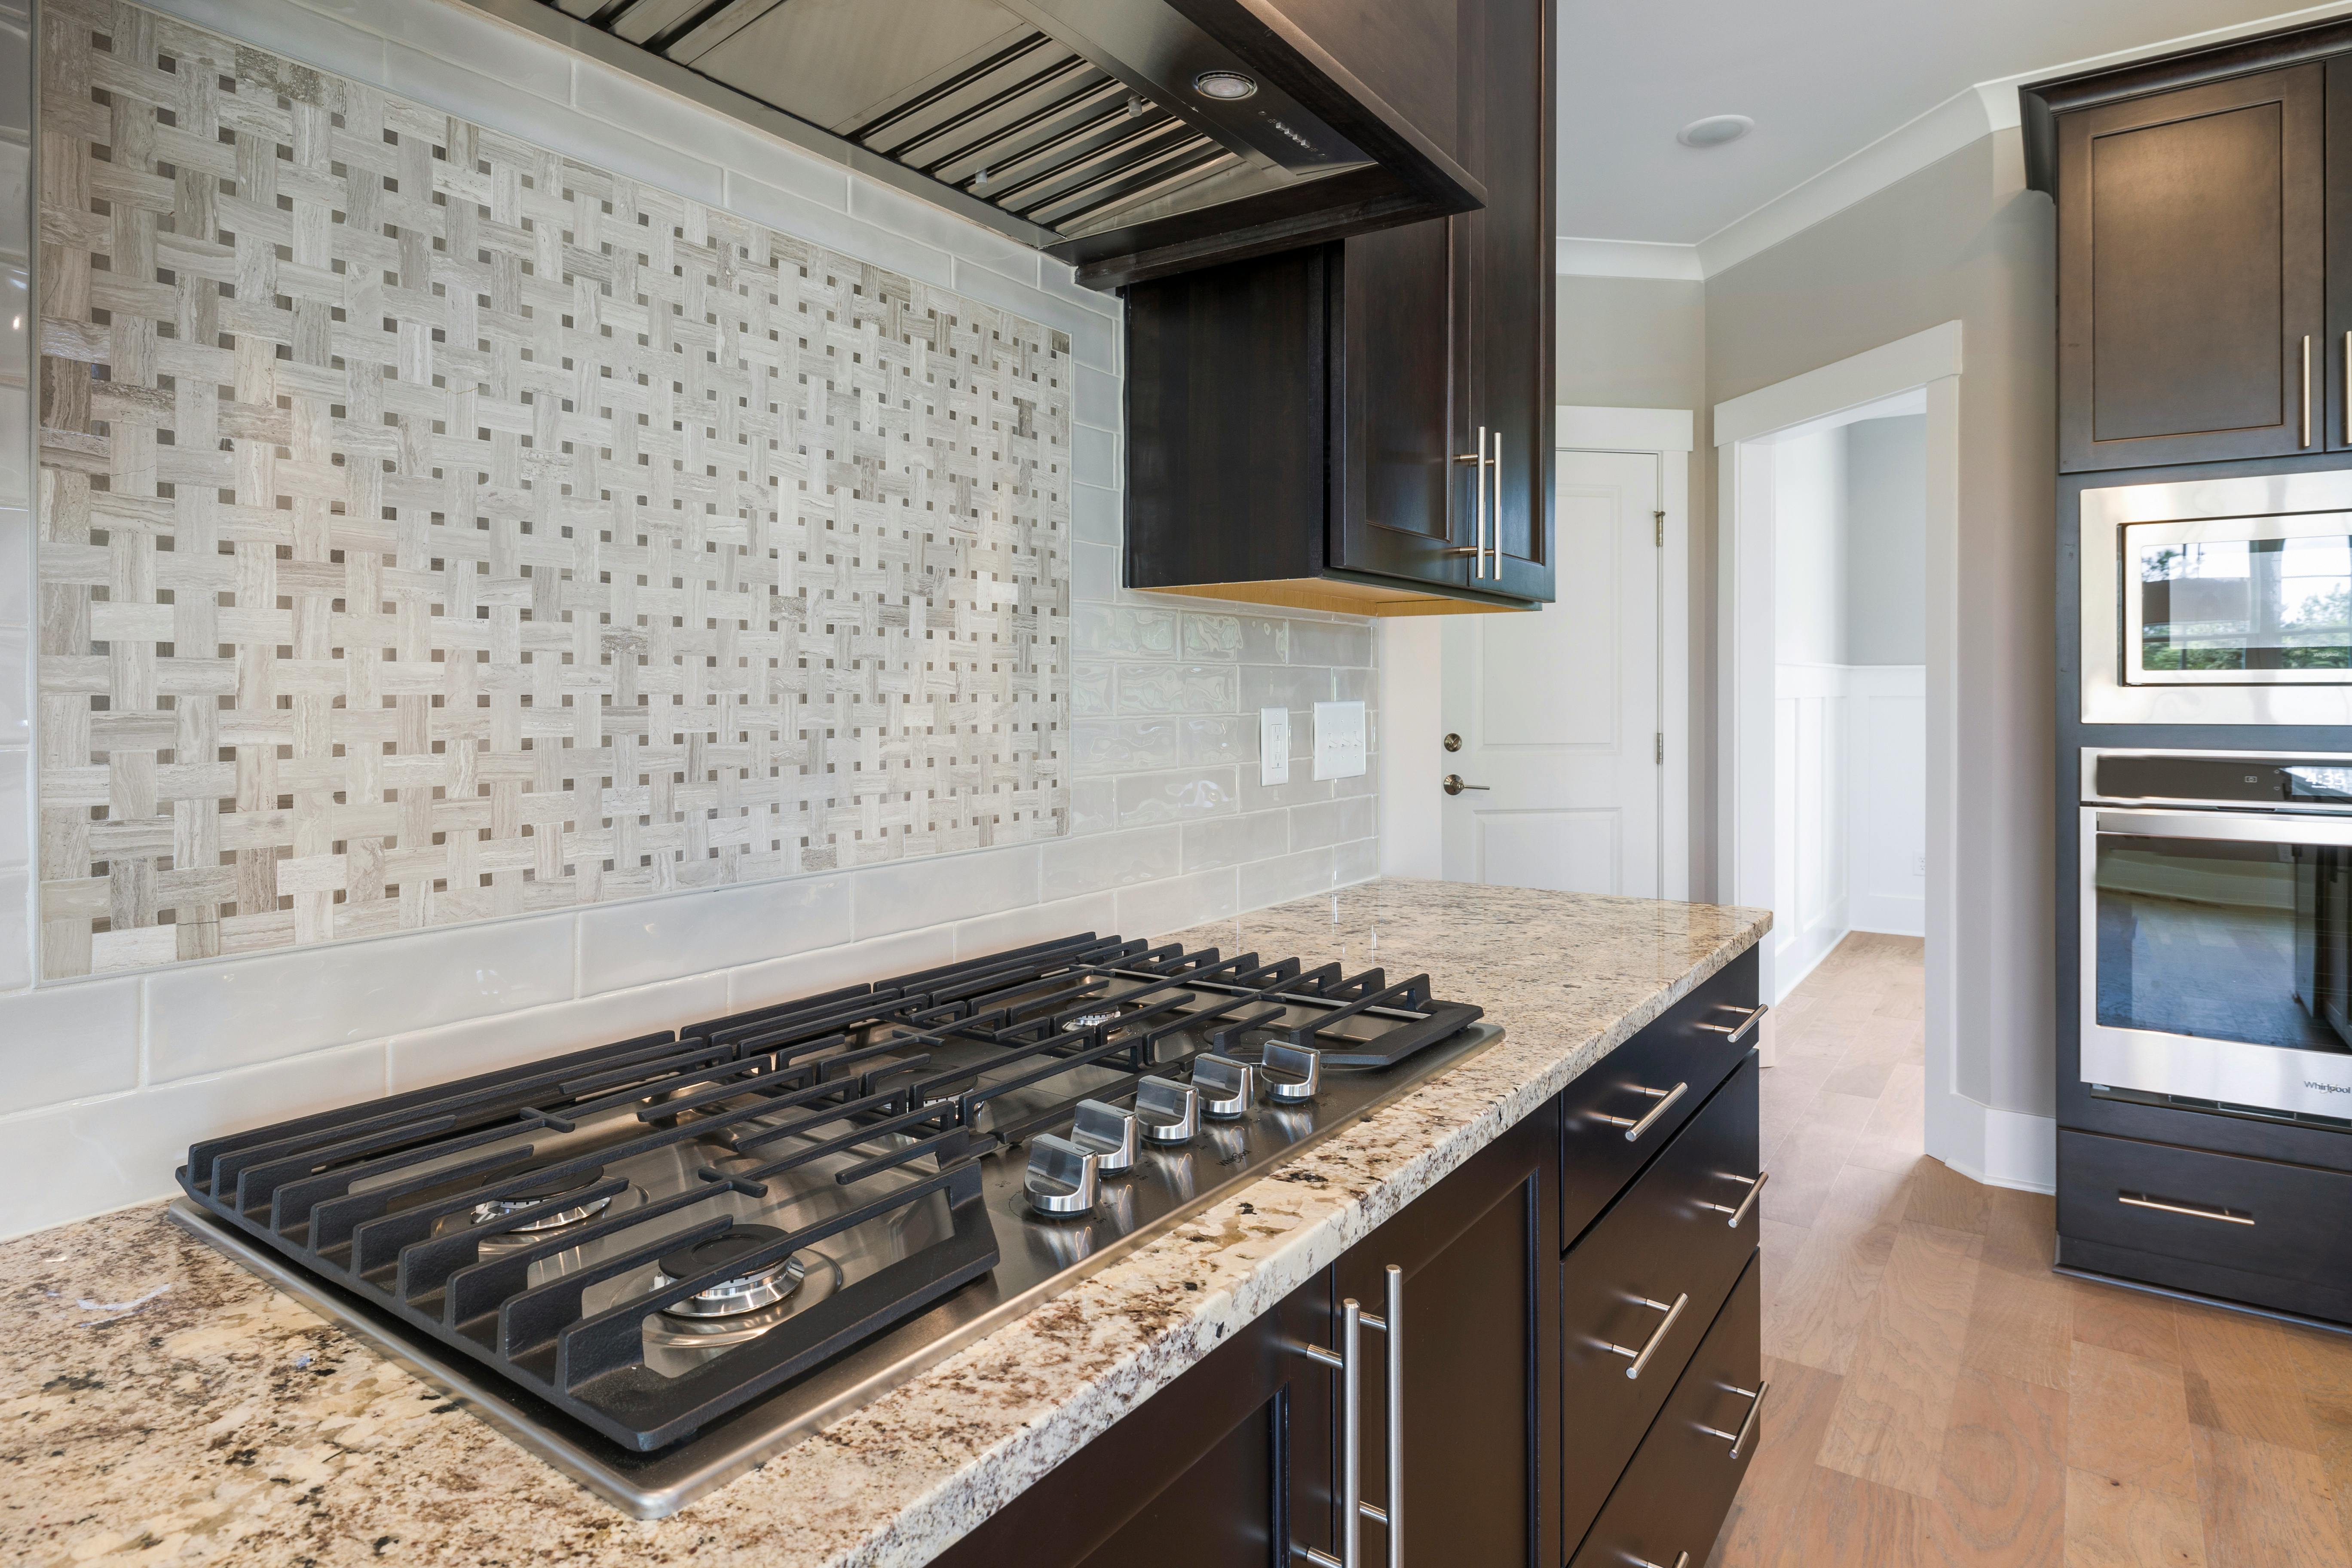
point(1940, 1399)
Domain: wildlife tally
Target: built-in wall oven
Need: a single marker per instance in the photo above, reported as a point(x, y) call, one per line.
point(2219, 600)
point(2217, 930)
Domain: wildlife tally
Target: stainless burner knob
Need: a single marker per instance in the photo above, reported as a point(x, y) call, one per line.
point(1293, 1074)
point(1170, 1112)
point(1227, 1087)
point(1062, 1178)
point(1108, 1133)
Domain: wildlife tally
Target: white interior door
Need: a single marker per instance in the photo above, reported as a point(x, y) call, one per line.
point(1557, 710)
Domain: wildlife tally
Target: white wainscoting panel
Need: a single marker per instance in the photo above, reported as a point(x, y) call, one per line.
point(1886, 787)
point(1809, 851)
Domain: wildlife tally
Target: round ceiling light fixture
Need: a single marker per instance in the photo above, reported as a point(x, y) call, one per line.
point(1715, 131)
point(1226, 86)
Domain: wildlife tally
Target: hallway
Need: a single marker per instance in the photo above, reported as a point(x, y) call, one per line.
point(1938, 1396)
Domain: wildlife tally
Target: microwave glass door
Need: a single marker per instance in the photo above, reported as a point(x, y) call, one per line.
point(2238, 601)
point(2225, 939)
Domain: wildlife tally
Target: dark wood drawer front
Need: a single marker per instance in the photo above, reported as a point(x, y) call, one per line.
point(2290, 1222)
point(1596, 1157)
point(1663, 1241)
point(1674, 1495)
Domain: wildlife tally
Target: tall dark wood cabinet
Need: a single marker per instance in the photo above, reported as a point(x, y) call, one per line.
point(2193, 305)
point(1366, 426)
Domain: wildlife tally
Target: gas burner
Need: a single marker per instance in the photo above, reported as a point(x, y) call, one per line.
point(532, 1197)
point(762, 1286)
point(1094, 1020)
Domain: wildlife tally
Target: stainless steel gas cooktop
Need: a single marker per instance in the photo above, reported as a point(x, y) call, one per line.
point(656, 1262)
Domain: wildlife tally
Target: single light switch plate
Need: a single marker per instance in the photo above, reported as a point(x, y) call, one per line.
point(1273, 745)
point(1339, 739)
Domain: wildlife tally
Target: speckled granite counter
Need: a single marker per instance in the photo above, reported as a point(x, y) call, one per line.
point(158, 1405)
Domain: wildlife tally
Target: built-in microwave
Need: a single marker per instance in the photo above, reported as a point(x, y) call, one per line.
point(2217, 930)
point(2219, 600)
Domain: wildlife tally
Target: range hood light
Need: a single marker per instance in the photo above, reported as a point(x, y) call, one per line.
point(1226, 85)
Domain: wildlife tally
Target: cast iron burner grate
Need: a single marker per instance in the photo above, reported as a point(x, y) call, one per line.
point(651, 1233)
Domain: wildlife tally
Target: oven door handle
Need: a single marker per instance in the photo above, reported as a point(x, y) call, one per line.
point(2235, 826)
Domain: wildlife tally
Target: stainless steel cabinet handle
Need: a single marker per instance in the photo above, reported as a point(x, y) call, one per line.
point(1496, 511)
point(2307, 389)
point(1348, 1360)
point(1477, 550)
point(2194, 1211)
point(1731, 1032)
point(1755, 1186)
point(1454, 784)
point(1738, 1440)
point(1657, 1336)
point(1633, 1129)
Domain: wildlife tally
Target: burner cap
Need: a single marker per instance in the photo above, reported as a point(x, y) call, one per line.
point(747, 1292)
point(536, 1193)
point(1093, 1020)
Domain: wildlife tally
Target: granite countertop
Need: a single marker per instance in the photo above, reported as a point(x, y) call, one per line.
point(160, 1405)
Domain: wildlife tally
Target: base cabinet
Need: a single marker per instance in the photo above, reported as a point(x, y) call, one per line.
point(1492, 1421)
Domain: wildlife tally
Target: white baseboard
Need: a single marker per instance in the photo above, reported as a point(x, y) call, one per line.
point(1999, 1148)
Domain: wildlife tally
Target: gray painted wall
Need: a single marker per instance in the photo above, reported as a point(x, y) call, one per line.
point(1887, 540)
point(1961, 239)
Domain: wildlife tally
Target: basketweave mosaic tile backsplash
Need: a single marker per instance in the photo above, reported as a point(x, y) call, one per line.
point(435, 528)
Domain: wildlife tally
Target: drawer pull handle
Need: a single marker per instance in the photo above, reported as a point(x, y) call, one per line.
point(1641, 1358)
point(1731, 1032)
point(1348, 1362)
point(1755, 1186)
point(2194, 1211)
point(1633, 1129)
point(1738, 1440)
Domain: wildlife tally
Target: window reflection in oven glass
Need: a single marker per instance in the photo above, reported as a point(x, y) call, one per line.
point(2246, 604)
point(2226, 941)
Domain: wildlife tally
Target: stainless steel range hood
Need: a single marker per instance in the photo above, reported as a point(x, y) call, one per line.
point(1123, 136)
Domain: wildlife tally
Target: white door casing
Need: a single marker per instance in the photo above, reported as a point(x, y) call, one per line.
point(1560, 710)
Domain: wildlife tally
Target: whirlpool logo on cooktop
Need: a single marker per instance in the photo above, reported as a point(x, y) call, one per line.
point(2330, 1088)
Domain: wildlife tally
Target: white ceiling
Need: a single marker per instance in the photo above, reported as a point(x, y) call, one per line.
point(1822, 78)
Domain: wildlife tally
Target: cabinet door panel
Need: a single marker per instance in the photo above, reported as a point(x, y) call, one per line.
point(1395, 436)
point(1511, 324)
point(1480, 1374)
point(2191, 253)
point(1222, 1468)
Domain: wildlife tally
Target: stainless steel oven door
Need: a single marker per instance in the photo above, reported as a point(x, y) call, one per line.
point(2217, 957)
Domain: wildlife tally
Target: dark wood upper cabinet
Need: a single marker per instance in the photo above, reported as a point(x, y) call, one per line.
point(1367, 426)
point(2192, 263)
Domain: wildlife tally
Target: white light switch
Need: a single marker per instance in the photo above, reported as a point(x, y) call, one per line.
point(1339, 739)
point(1273, 745)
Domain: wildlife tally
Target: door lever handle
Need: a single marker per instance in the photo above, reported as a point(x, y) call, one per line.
point(1454, 784)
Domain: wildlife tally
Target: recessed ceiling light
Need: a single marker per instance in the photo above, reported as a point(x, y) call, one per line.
point(1715, 131)
point(1226, 85)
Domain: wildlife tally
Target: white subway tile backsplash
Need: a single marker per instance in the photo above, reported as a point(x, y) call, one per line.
point(1265, 640)
point(1097, 912)
point(1095, 399)
point(646, 111)
point(1093, 806)
point(15, 560)
point(518, 60)
point(1131, 630)
point(16, 677)
point(484, 1045)
point(831, 968)
point(1177, 797)
point(1294, 876)
point(1333, 821)
point(1090, 690)
point(1295, 687)
point(1094, 571)
point(15, 808)
point(86, 1157)
point(1095, 516)
point(795, 215)
point(1207, 740)
point(1356, 862)
point(1330, 642)
point(1094, 454)
point(295, 30)
point(1123, 745)
point(1155, 909)
point(208, 1017)
point(645, 940)
point(415, 74)
point(909, 893)
point(15, 927)
point(1231, 840)
point(69, 1042)
point(1177, 689)
point(895, 210)
point(1208, 635)
point(1075, 866)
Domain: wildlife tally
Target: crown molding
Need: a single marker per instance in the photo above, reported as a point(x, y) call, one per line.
point(1973, 112)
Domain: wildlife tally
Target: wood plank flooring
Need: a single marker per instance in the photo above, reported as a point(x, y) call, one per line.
point(1941, 1399)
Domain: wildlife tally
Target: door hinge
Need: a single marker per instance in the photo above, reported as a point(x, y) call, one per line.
point(1659, 518)
point(1661, 757)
